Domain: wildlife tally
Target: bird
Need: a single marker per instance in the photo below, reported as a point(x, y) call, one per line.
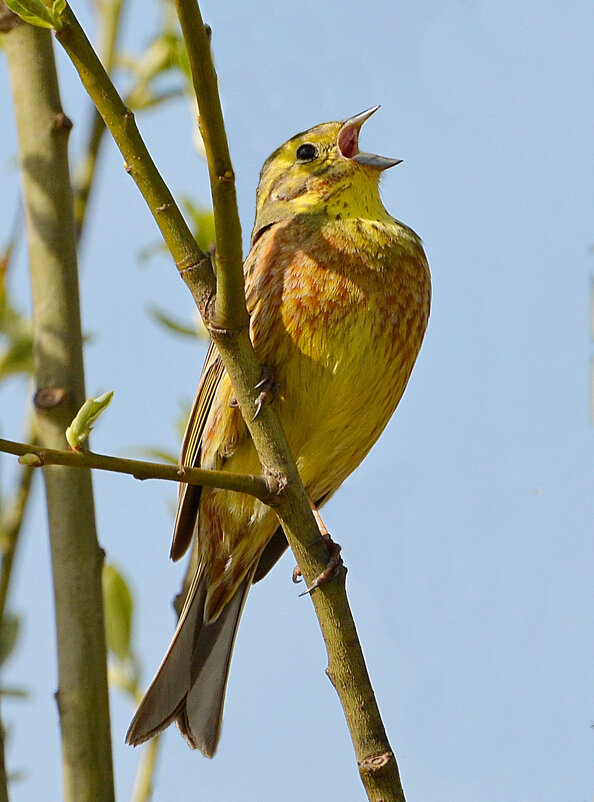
point(338, 292)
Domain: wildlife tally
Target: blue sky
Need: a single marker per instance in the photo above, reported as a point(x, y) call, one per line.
point(468, 530)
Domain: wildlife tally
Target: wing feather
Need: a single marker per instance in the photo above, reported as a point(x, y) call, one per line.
point(189, 495)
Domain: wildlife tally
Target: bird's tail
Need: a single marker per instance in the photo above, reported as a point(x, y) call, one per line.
point(190, 685)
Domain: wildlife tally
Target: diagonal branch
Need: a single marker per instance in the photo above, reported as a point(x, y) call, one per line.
point(138, 162)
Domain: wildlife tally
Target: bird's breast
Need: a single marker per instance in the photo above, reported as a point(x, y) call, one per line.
point(340, 318)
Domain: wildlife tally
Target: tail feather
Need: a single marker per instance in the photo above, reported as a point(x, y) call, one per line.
point(190, 685)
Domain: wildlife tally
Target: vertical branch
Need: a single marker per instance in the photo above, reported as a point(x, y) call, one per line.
point(82, 697)
point(230, 310)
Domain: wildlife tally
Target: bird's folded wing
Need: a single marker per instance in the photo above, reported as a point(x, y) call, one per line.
point(189, 495)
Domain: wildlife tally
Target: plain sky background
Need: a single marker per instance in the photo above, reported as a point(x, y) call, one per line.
point(468, 530)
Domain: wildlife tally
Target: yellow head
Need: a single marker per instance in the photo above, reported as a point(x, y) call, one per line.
point(322, 171)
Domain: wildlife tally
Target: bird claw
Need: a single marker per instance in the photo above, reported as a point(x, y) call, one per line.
point(269, 390)
point(331, 570)
point(259, 405)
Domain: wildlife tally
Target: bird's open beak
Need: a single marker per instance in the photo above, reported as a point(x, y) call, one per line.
point(348, 143)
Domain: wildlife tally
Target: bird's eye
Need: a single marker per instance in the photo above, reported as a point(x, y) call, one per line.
point(307, 152)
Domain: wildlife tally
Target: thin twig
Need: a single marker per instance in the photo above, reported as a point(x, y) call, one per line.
point(258, 486)
point(230, 310)
point(138, 162)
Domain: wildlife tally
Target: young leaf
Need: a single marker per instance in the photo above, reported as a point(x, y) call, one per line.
point(81, 426)
point(119, 608)
point(34, 12)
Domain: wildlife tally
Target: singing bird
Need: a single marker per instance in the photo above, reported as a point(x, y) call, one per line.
point(338, 293)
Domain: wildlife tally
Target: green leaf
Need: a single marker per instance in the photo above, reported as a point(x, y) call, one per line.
point(119, 609)
point(8, 635)
point(37, 13)
point(81, 426)
point(33, 11)
point(58, 9)
point(18, 357)
point(16, 336)
point(169, 322)
point(202, 223)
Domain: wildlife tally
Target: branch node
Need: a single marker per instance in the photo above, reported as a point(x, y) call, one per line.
point(217, 331)
point(188, 268)
point(64, 34)
point(330, 676)
point(275, 485)
point(187, 263)
point(199, 278)
point(32, 460)
point(375, 763)
point(164, 207)
point(228, 177)
point(47, 398)
point(62, 122)
point(8, 19)
point(220, 331)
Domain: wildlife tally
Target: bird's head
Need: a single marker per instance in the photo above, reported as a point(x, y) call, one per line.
point(321, 171)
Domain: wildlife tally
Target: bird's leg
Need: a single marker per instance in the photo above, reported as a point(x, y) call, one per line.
point(334, 561)
point(268, 387)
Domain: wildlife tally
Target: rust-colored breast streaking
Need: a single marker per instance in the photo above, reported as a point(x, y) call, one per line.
point(338, 311)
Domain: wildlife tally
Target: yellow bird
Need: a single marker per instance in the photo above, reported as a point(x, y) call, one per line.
point(338, 293)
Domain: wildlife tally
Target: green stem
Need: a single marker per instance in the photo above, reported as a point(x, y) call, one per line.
point(11, 522)
point(143, 782)
point(256, 486)
point(109, 16)
point(230, 310)
point(138, 163)
point(82, 696)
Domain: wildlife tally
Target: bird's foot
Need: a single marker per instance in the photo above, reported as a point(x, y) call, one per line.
point(331, 570)
point(268, 387)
